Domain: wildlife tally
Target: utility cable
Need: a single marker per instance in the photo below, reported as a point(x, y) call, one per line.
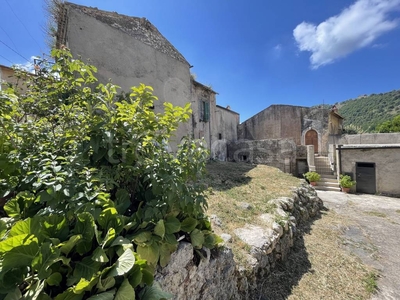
point(14, 51)
point(23, 24)
point(9, 37)
point(6, 59)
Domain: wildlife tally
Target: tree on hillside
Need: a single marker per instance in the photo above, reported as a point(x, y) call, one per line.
point(390, 126)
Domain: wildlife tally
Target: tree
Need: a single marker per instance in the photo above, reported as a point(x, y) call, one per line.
point(390, 126)
point(91, 201)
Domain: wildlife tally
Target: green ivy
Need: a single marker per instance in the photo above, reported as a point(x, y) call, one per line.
point(91, 200)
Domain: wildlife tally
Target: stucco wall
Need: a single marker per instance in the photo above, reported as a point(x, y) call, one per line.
point(129, 62)
point(6, 76)
point(387, 166)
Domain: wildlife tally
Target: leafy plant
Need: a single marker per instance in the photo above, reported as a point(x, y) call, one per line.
point(390, 126)
point(345, 181)
point(91, 199)
point(312, 176)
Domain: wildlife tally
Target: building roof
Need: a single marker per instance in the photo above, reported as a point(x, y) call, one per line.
point(227, 109)
point(207, 88)
point(138, 28)
point(369, 146)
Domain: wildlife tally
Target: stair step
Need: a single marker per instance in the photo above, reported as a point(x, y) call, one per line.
point(327, 183)
point(327, 188)
point(328, 179)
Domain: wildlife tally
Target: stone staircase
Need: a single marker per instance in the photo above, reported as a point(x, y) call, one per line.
point(328, 181)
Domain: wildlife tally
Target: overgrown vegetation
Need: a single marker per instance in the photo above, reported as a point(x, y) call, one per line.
point(91, 200)
point(392, 125)
point(367, 112)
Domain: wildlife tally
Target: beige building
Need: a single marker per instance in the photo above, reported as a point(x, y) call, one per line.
point(129, 51)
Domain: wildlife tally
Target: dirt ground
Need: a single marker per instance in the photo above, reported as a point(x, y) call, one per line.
point(374, 235)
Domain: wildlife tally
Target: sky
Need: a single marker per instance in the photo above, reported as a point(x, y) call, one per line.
point(253, 53)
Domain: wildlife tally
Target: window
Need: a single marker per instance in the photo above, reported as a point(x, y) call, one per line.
point(204, 111)
point(220, 136)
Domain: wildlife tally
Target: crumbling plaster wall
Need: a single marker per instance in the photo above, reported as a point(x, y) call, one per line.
point(218, 276)
point(129, 62)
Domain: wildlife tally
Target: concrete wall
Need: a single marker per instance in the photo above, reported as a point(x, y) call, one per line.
point(279, 153)
point(387, 166)
point(367, 138)
point(128, 62)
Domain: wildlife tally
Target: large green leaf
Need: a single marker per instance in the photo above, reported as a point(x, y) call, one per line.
point(105, 284)
point(85, 226)
point(165, 253)
point(103, 296)
point(100, 255)
point(151, 253)
point(3, 228)
point(55, 226)
point(12, 208)
point(54, 279)
point(122, 201)
point(125, 292)
point(69, 295)
point(135, 277)
point(85, 285)
point(189, 224)
point(18, 251)
point(14, 295)
point(172, 225)
point(159, 229)
point(107, 218)
point(154, 292)
point(86, 268)
point(197, 238)
point(67, 246)
point(27, 226)
point(48, 256)
point(124, 264)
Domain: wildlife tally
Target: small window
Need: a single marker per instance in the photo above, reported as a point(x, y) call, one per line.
point(204, 111)
point(220, 136)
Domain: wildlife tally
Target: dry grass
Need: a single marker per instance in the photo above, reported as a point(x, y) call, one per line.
point(319, 268)
point(376, 214)
point(231, 184)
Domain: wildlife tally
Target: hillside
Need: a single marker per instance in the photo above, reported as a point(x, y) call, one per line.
point(366, 112)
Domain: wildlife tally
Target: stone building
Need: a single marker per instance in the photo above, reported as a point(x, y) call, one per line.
point(131, 50)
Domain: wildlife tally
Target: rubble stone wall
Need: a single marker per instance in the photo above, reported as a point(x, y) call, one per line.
point(218, 276)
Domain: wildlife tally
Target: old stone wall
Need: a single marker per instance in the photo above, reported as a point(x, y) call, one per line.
point(219, 277)
point(279, 153)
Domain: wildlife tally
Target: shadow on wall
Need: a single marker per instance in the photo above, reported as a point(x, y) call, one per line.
point(223, 176)
point(288, 273)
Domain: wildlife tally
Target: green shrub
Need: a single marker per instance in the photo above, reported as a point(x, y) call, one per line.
point(312, 176)
point(93, 201)
point(345, 181)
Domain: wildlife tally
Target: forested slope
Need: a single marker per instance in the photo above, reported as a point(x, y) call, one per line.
point(366, 112)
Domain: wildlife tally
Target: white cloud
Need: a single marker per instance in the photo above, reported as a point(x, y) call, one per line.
point(28, 66)
point(357, 26)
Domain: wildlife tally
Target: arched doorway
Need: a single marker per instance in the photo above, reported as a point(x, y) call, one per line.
point(312, 139)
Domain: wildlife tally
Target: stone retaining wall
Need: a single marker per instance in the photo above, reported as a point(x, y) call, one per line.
point(218, 276)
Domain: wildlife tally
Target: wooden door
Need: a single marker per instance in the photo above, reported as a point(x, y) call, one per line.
point(312, 139)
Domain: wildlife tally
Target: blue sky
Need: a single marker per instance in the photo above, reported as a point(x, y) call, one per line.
point(254, 53)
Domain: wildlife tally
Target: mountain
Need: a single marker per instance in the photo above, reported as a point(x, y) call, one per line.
point(366, 112)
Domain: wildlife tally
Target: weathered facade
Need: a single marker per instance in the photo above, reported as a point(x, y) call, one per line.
point(304, 125)
point(129, 51)
point(6, 77)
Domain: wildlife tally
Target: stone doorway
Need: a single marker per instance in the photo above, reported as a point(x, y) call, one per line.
point(312, 139)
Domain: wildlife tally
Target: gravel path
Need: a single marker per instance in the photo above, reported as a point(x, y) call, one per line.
point(374, 235)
